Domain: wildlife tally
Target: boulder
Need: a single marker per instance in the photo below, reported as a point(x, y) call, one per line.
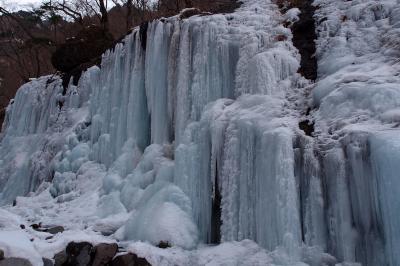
point(15, 262)
point(129, 260)
point(76, 254)
point(104, 253)
point(47, 262)
point(79, 254)
point(54, 230)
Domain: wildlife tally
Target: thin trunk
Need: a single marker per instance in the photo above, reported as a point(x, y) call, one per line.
point(104, 15)
point(129, 6)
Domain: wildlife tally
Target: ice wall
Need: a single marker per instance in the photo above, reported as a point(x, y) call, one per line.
point(33, 133)
point(357, 100)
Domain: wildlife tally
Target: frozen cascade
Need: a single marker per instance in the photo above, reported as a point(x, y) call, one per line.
point(357, 96)
point(155, 142)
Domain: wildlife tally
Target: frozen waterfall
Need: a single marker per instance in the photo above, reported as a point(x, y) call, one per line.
point(194, 138)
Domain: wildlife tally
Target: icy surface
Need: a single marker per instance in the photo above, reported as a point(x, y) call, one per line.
point(195, 140)
point(357, 102)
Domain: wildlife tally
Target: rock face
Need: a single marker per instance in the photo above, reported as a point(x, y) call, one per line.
point(90, 43)
point(129, 260)
point(15, 262)
point(81, 52)
point(303, 38)
point(189, 12)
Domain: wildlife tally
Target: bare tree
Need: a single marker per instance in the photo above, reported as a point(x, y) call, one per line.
point(23, 43)
point(79, 10)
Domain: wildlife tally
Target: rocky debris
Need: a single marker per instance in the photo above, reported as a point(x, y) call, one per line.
point(84, 254)
point(15, 262)
point(47, 262)
point(1, 254)
point(104, 253)
point(129, 260)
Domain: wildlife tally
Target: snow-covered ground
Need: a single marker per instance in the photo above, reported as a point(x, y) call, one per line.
point(149, 147)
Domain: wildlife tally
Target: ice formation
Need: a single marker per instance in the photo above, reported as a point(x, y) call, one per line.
point(191, 136)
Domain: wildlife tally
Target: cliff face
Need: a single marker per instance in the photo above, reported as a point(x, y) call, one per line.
point(203, 130)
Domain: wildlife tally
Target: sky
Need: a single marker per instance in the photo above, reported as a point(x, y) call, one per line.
point(19, 4)
point(14, 5)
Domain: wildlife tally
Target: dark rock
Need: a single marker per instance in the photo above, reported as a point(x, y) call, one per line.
point(307, 126)
point(129, 260)
point(78, 254)
point(22, 226)
point(143, 34)
point(54, 230)
point(164, 244)
point(1, 254)
point(104, 253)
point(47, 262)
point(36, 226)
point(15, 262)
point(304, 35)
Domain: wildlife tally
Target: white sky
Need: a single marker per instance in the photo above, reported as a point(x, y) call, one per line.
point(14, 5)
point(19, 4)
